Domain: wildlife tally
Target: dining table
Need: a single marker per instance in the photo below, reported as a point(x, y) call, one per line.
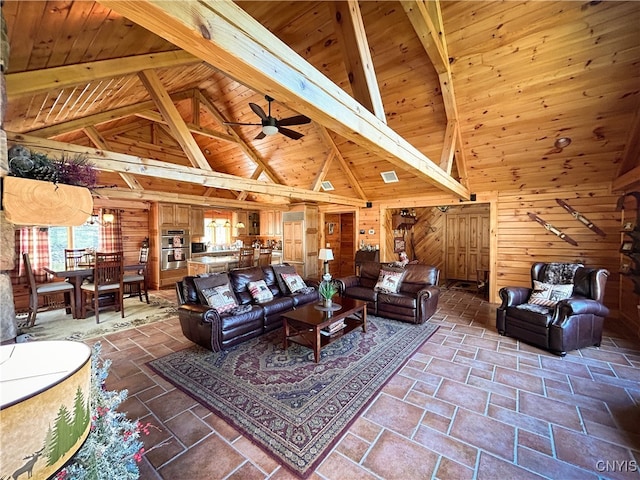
point(76, 275)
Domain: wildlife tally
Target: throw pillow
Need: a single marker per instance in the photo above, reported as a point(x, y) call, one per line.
point(279, 270)
point(221, 298)
point(389, 281)
point(293, 281)
point(260, 292)
point(548, 295)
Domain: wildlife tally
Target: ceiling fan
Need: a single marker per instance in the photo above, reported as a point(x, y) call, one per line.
point(271, 125)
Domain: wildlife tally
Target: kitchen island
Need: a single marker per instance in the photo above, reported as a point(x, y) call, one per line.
point(220, 261)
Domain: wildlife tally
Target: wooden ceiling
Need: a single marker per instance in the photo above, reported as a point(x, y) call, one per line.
point(462, 97)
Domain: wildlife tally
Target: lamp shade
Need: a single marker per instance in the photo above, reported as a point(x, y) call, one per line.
point(325, 254)
point(45, 396)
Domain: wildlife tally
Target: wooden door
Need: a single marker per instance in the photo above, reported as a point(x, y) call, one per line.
point(293, 242)
point(467, 245)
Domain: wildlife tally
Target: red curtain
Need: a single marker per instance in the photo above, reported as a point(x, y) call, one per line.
point(35, 242)
point(111, 233)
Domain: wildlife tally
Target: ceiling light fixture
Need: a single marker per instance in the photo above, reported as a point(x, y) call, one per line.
point(562, 142)
point(269, 129)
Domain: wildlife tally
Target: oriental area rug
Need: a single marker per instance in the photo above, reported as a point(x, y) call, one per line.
point(293, 408)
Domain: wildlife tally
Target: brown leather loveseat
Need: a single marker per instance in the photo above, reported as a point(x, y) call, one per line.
point(417, 297)
point(216, 330)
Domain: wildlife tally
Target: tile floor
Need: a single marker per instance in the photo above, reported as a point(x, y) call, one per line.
point(469, 404)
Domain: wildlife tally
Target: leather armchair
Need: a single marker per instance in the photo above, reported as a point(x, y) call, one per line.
point(571, 324)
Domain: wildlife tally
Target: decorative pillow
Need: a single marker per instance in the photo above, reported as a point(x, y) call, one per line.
point(389, 281)
point(221, 298)
point(293, 281)
point(548, 295)
point(560, 273)
point(279, 270)
point(260, 292)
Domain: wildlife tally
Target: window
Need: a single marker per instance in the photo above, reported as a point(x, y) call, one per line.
point(83, 236)
point(217, 231)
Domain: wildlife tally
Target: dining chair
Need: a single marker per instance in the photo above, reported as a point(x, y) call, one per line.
point(46, 290)
point(135, 276)
point(107, 279)
point(73, 257)
point(246, 257)
point(264, 257)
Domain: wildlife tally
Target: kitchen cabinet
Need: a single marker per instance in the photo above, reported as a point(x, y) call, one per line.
point(253, 225)
point(174, 215)
point(241, 217)
point(196, 224)
point(300, 239)
point(271, 223)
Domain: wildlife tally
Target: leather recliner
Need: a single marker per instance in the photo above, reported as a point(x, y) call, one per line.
point(570, 324)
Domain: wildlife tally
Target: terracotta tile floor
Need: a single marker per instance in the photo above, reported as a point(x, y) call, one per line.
point(469, 404)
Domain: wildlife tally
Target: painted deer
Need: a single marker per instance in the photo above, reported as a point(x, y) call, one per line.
point(27, 467)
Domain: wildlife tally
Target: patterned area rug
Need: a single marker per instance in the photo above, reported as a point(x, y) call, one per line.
point(293, 408)
point(56, 325)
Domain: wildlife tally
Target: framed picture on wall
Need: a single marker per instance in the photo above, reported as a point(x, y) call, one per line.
point(399, 245)
point(627, 246)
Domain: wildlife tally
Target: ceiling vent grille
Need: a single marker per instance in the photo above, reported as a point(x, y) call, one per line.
point(327, 185)
point(389, 177)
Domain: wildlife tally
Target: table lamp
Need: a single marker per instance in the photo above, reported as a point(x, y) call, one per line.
point(325, 255)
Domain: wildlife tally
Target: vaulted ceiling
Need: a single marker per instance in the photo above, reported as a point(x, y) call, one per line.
point(458, 97)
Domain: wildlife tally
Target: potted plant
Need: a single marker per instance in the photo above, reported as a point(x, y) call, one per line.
point(327, 289)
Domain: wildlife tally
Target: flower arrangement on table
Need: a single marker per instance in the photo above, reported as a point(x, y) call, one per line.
point(327, 289)
point(113, 448)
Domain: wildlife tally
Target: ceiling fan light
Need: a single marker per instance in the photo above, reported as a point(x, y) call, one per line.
point(269, 129)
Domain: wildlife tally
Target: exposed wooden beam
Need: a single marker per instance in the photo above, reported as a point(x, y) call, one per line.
point(176, 123)
point(206, 132)
point(352, 38)
point(322, 173)
point(631, 154)
point(225, 36)
point(120, 162)
point(146, 195)
point(100, 142)
point(326, 138)
point(627, 180)
point(448, 150)
point(102, 117)
point(427, 23)
point(38, 81)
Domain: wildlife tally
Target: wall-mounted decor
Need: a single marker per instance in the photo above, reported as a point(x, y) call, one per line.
point(399, 245)
point(581, 218)
point(627, 246)
point(552, 229)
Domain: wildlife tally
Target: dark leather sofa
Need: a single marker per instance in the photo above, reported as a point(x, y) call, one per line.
point(572, 323)
point(217, 331)
point(415, 302)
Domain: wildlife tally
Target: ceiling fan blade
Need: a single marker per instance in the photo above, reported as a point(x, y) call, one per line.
point(257, 109)
point(290, 133)
point(295, 120)
point(260, 136)
point(239, 123)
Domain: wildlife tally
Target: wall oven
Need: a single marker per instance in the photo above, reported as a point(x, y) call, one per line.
point(175, 248)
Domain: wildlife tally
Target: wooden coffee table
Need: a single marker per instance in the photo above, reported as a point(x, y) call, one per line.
point(305, 324)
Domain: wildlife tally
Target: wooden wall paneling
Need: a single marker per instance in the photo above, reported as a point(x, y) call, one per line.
point(521, 241)
point(332, 241)
point(347, 244)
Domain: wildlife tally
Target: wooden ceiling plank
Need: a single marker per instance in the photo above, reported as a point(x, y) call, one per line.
point(39, 81)
point(100, 142)
point(242, 48)
point(193, 128)
point(326, 138)
point(97, 119)
point(170, 113)
point(120, 162)
point(352, 38)
point(268, 171)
